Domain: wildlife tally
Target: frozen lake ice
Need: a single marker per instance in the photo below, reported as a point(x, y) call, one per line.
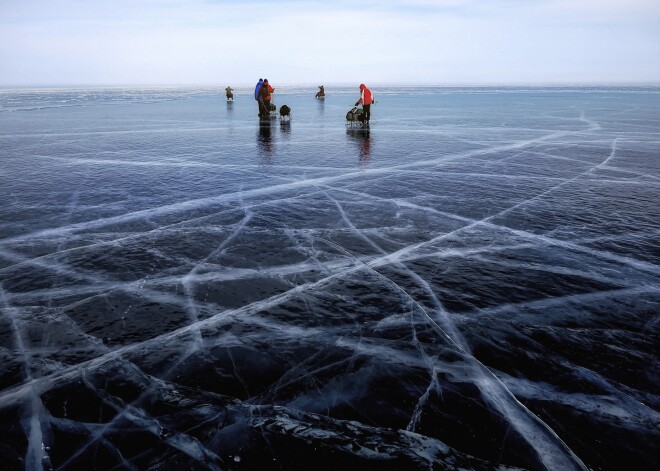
point(472, 283)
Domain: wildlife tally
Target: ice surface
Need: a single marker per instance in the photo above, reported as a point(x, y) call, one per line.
point(471, 283)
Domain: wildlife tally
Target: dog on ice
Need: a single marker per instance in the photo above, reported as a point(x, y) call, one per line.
point(285, 113)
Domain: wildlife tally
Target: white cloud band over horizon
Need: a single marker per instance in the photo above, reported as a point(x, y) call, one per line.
point(296, 42)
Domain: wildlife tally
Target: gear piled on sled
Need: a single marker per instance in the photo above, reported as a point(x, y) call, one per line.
point(269, 111)
point(355, 117)
point(272, 109)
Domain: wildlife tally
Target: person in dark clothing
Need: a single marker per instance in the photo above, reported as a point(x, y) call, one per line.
point(320, 93)
point(257, 96)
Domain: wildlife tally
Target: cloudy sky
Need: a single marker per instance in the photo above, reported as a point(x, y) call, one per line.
point(297, 42)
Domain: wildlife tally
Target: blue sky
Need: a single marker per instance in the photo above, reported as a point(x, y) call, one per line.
point(212, 42)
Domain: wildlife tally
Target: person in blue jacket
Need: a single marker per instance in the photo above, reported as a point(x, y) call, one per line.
point(257, 96)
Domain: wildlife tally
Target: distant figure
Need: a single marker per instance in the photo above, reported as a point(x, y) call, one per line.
point(366, 98)
point(230, 93)
point(320, 93)
point(265, 92)
point(257, 96)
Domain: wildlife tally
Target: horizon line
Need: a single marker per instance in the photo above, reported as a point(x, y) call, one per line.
point(338, 84)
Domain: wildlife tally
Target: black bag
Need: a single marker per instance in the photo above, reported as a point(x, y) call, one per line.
point(285, 110)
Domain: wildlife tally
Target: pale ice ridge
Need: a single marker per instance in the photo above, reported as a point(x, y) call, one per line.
point(137, 416)
point(33, 409)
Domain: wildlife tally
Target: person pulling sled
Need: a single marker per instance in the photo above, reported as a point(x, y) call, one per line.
point(366, 99)
point(361, 115)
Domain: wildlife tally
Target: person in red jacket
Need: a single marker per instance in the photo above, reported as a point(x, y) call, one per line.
point(366, 98)
point(266, 90)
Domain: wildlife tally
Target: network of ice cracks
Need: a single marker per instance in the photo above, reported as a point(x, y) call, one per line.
point(335, 318)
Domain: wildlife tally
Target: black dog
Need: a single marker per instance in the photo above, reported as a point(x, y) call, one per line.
point(285, 113)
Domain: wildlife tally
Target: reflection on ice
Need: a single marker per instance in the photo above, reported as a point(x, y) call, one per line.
point(265, 139)
point(362, 139)
point(470, 288)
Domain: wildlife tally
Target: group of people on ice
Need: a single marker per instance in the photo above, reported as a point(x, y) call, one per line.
point(262, 94)
point(263, 90)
